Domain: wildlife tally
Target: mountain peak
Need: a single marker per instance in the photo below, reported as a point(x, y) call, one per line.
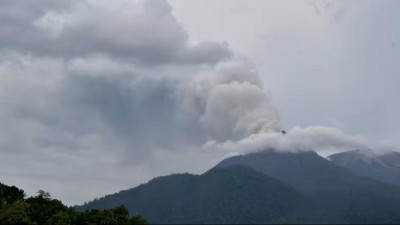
point(303, 170)
point(384, 167)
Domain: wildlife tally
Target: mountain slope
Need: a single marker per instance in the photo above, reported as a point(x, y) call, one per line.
point(385, 168)
point(264, 187)
point(330, 193)
point(226, 195)
point(306, 171)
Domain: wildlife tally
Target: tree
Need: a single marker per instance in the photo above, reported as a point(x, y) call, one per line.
point(42, 207)
point(138, 220)
point(17, 213)
point(43, 210)
point(44, 195)
point(10, 194)
point(61, 217)
point(120, 214)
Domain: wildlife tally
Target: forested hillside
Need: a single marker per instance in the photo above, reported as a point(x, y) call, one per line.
point(264, 187)
point(43, 210)
point(233, 195)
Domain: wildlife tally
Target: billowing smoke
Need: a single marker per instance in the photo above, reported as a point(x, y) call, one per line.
point(98, 98)
point(99, 87)
point(93, 89)
point(136, 76)
point(324, 140)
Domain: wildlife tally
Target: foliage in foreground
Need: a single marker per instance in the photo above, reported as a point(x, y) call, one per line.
point(43, 210)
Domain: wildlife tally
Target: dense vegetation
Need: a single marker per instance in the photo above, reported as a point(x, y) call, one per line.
point(232, 195)
point(263, 188)
point(43, 210)
point(330, 193)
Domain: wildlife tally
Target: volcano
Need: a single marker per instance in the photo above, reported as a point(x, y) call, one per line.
point(262, 187)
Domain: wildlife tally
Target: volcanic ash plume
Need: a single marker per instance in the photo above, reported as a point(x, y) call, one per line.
point(135, 84)
point(235, 104)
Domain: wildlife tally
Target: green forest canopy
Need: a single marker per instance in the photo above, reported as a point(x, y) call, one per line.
point(15, 208)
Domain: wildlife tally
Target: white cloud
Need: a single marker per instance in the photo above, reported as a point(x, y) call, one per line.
point(324, 140)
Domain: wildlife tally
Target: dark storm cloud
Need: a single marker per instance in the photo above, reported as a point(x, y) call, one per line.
point(141, 30)
point(89, 87)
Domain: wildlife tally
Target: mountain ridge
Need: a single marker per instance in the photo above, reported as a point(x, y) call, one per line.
point(312, 190)
point(382, 167)
point(221, 195)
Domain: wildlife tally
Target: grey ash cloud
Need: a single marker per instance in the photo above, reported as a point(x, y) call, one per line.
point(108, 94)
point(144, 31)
point(98, 90)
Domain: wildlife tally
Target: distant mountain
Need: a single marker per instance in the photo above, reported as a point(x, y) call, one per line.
point(332, 193)
point(306, 171)
point(263, 187)
point(227, 195)
point(383, 167)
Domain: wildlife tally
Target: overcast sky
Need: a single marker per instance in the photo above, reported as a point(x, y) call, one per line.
point(98, 96)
